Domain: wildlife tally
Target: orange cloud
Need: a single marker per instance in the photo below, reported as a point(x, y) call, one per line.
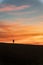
point(27, 34)
point(12, 7)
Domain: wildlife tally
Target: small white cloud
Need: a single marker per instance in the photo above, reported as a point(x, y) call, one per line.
point(41, 1)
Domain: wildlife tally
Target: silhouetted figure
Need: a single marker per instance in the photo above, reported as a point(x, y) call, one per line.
point(13, 41)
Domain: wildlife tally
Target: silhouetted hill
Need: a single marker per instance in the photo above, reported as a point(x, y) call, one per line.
point(21, 53)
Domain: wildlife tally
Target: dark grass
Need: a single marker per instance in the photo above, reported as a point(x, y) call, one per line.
point(19, 54)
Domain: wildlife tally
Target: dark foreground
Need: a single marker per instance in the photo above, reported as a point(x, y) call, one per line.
point(14, 54)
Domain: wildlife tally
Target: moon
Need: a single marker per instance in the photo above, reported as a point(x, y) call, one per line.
point(1, 1)
point(41, 1)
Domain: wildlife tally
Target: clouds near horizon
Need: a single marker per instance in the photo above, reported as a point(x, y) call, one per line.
point(20, 33)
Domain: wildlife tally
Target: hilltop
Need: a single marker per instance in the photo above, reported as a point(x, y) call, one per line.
point(21, 53)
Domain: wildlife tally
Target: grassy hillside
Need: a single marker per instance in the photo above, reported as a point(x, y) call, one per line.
point(21, 53)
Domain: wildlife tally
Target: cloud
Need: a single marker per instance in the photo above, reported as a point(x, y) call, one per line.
point(21, 34)
point(40, 17)
point(41, 1)
point(21, 13)
point(5, 8)
point(1, 1)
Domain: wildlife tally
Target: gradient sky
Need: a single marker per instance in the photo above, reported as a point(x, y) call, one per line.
point(21, 20)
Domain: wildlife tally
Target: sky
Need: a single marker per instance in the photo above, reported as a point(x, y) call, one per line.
point(21, 20)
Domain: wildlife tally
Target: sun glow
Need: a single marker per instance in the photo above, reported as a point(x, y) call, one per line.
point(31, 34)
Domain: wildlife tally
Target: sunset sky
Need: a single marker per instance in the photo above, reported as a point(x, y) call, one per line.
point(21, 20)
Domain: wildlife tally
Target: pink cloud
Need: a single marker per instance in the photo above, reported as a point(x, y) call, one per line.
point(12, 7)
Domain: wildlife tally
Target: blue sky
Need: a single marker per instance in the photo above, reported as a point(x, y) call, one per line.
point(35, 9)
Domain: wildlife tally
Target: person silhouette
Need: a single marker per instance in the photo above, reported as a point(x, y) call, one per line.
point(13, 41)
